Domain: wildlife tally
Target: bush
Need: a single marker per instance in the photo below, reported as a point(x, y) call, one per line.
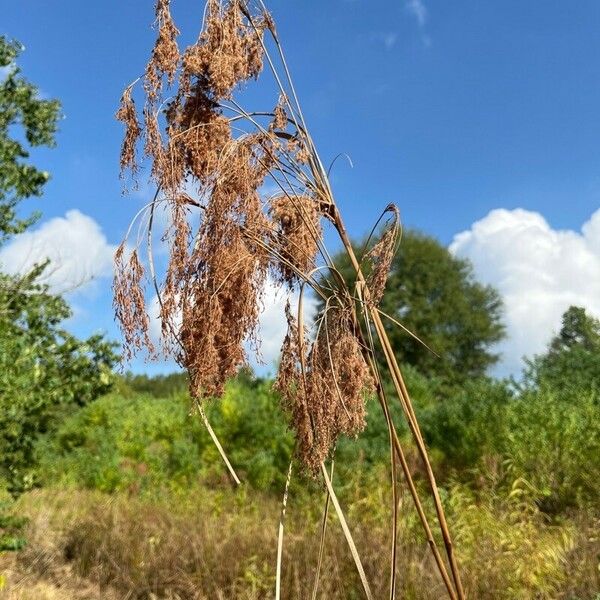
point(468, 425)
point(553, 441)
point(143, 443)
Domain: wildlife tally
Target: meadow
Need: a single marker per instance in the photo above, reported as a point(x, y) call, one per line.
point(135, 502)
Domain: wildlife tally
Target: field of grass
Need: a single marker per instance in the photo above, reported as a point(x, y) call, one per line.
point(206, 545)
point(135, 503)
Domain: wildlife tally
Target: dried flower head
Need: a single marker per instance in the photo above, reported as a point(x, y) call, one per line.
point(178, 237)
point(296, 236)
point(129, 303)
point(323, 390)
point(227, 272)
point(290, 382)
point(229, 50)
point(380, 257)
point(280, 118)
point(199, 132)
point(128, 116)
point(165, 55)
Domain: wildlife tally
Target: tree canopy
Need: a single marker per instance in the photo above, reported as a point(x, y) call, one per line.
point(26, 121)
point(573, 356)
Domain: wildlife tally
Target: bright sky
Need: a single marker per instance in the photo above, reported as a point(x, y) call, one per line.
point(481, 120)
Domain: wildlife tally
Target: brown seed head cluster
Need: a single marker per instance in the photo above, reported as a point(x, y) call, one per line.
point(280, 118)
point(129, 302)
point(210, 297)
point(165, 55)
point(323, 385)
point(211, 293)
point(199, 133)
point(296, 235)
point(128, 116)
point(380, 258)
point(221, 294)
point(229, 50)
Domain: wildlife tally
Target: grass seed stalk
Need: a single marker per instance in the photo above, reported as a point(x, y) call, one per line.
point(211, 161)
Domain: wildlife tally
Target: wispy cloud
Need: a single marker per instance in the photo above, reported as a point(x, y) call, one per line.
point(418, 10)
point(387, 38)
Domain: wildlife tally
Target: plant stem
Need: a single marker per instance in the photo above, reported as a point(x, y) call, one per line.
point(405, 402)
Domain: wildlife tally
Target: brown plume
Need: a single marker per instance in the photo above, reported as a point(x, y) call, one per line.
point(296, 235)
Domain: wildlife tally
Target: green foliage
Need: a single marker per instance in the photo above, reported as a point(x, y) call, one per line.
point(549, 438)
point(553, 441)
point(469, 424)
point(572, 360)
point(142, 443)
point(372, 447)
point(511, 551)
point(11, 525)
point(26, 121)
point(159, 386)
point(45, 373)
point(435, 296)
point(119, 443)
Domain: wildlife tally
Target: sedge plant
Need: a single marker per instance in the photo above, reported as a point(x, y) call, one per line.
point(211, 161)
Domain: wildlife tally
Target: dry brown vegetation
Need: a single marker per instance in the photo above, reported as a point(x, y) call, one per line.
point(84, 545)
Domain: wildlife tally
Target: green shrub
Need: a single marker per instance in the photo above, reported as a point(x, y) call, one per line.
point(553, 441)
point(142, 443)
point(467, 425)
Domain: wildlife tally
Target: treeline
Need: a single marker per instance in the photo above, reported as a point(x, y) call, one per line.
point(543, 429)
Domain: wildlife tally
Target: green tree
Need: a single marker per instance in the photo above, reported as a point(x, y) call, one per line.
point(573, 356)
point(26, 121)
point(435, 296)
point(45, 372)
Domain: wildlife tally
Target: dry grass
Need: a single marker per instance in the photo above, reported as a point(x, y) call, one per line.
point(88, 546)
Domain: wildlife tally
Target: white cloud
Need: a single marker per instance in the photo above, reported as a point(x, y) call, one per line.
point(75, 245)
point(418, 9)
point(539, 272)
point(273, 324)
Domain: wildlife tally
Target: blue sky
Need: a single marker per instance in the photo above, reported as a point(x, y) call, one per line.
point(460, 112)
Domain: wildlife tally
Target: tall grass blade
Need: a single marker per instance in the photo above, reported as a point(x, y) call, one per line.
point(347, 534)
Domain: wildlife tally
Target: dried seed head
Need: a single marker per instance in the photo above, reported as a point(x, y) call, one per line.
point(199, 132)
point(280, 118)
point(291, 383)
point(227, 272)
point(129, 303)
point(380, 258)
point(178, 237)
point(296, 235)
point(128, 116)
point(165, 55)
point(288, 377)
point(327, 397)
point(229, 50)
point(303, 155)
